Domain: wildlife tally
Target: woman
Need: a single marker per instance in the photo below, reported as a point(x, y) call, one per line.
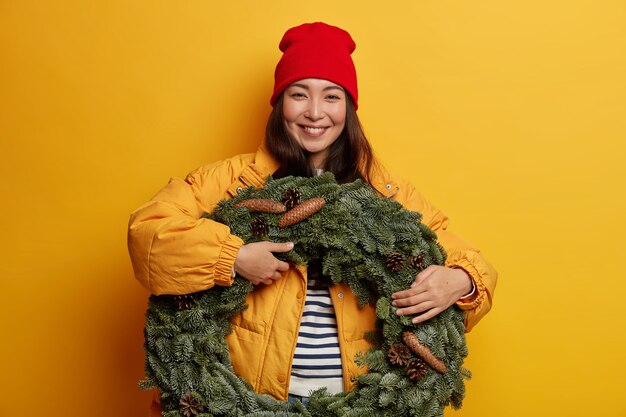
point(294, 337)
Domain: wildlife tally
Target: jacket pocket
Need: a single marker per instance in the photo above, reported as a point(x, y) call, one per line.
point(245, 344)
point(356, 324)
point(248, 330)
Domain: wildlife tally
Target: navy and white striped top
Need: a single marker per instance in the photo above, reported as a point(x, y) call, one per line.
point(317, 359)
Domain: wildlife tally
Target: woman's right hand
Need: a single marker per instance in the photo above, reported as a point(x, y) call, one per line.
point(256, 262)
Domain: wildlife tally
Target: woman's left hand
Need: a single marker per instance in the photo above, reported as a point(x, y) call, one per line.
point(435, 289)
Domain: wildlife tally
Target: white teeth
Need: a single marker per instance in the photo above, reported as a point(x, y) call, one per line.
point(314, 130)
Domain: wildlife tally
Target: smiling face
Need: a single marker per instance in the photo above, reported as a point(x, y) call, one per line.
point(314, 111)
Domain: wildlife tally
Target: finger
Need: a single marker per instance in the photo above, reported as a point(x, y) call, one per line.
point(409, 301)
point(282, 266)
point(423, 275)
point(415, 309)
point(407, 293)
point(277, 275)
point(280, 247)
point(425, 316)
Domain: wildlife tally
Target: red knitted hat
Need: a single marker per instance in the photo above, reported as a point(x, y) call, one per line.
point(316, 50)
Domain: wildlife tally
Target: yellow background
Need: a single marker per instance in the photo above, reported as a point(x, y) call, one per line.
point(509, 115)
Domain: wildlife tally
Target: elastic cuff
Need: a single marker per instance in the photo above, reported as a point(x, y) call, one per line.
point(225, 264)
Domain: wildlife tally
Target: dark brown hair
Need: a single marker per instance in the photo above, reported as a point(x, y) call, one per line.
point(350, 157)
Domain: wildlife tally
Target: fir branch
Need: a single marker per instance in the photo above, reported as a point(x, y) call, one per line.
point(352, 236)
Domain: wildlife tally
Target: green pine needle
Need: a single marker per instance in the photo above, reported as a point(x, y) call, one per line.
point(352, 234)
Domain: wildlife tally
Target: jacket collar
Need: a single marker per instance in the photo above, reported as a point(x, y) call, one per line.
point(264, 162)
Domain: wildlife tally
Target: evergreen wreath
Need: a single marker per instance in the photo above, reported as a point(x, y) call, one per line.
point(371, 243)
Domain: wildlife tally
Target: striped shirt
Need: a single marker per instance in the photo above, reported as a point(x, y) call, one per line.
point(317, 359)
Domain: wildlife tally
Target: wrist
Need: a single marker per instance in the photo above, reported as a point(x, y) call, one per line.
point(468, 289)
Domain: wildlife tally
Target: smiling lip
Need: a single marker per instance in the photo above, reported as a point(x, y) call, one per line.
point(313, 131)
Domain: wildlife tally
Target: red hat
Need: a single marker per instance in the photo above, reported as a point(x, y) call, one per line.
point(316, 50)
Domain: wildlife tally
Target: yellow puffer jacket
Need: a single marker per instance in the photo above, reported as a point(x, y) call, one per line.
point(176, 251)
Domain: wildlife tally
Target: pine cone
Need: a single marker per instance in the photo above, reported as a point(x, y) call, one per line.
point(394, 261)
point(416, 369)
point(291, 198)
point(189, 406)
point(301, 212)
point(184, 301)
point(260, 227)
point(417, 262)
point(423, 351)
point(262, 205)
point(399, 354)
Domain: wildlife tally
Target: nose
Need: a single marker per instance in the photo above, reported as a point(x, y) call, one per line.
point(315, 110)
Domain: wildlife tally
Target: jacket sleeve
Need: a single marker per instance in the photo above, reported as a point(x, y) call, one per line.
point(173, 249)
point(460, 254)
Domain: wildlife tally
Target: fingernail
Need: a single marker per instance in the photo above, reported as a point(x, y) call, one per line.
point(290, 245)
point(393, 303)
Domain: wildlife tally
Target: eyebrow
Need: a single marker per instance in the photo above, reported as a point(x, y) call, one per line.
point(306, 87)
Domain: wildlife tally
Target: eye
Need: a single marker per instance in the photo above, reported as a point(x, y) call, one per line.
point(333, 97)
point(297, 95)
